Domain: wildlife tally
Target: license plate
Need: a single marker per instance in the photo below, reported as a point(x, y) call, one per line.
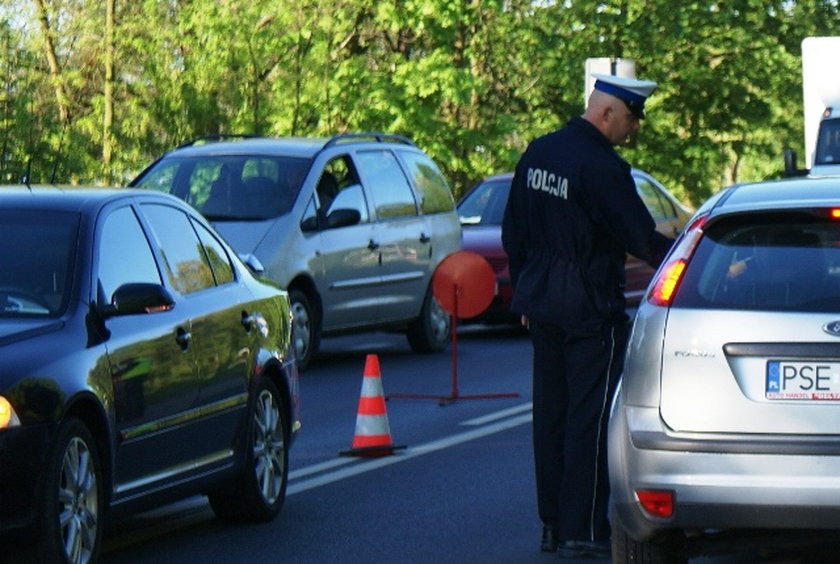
point(802, 380)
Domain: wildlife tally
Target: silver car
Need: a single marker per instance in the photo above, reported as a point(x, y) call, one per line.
point(727, 417)
point(352, 226)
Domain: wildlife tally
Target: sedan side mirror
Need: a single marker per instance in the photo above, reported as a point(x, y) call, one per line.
point(337, 218)
point(134, 298)
point(343, 217)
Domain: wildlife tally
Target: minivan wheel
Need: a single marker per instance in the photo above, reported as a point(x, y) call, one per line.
point(668, 547)
point(306, 330)
point(257, 494)
point(431, 331)
point(71, 520)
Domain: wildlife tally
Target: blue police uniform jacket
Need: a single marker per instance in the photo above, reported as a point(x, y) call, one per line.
point(572, 214)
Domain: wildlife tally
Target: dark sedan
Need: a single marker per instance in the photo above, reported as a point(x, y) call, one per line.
point(481, 211)
point(140, 362)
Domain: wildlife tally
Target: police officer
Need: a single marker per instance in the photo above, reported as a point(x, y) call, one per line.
point(572, 214)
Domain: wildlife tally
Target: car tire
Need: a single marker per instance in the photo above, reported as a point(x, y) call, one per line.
point(69, 527)
point(431, 331)
point(306, 328)
point(257, 494)
point(666, 548)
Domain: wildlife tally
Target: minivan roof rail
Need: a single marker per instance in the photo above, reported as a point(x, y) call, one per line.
point(369, 135)
point(216, 137)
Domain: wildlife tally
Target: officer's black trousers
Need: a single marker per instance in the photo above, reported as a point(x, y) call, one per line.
point(574, 378)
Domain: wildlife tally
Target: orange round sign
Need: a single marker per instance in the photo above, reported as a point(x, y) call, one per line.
point(464, 284)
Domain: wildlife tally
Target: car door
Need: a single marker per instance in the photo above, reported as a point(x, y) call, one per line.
point(400, 233)
point(152, 366)
point(346, 258)
point(198, 268)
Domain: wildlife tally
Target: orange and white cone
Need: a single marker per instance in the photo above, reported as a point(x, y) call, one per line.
point(373, 435)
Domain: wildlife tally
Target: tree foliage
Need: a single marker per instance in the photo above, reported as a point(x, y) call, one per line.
point(90, 91)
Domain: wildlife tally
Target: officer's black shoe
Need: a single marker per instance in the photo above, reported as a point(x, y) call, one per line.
point(550, 539)
point(585, 549)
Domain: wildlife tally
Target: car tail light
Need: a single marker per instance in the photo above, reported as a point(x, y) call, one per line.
point(834, 213)
point(669, 275)
point(657, 503)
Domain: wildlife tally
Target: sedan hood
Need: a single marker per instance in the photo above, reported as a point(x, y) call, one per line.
point(14, 330)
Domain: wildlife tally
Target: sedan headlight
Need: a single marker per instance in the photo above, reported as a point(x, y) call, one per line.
point(8, 417)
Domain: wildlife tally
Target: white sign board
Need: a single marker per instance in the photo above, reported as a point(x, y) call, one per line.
point(606, 65)
point(820, 85)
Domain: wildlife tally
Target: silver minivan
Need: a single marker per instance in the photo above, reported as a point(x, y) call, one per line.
point(352, 226)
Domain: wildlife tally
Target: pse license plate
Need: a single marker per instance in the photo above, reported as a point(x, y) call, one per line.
point(788, 380)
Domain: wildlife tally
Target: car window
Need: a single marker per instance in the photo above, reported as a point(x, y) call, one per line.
point(37, 252)
point(656, 203)
point(216, 255)
point(244, 187)
point(751, 266)
point(392, 195)
point(432, 189)
point(124, 253)
point(339, 188)
point(186, 266)
point(485, 204)
point(828, 143)
point(351, 197)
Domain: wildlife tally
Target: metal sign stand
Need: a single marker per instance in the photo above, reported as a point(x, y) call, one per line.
point(454, 395)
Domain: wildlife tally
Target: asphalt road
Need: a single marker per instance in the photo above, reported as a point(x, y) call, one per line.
point(460, 488)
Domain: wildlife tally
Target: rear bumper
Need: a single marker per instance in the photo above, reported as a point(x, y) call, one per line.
point(721, 482)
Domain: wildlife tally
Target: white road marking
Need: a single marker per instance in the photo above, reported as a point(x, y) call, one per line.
point(367, 465)
point(499, 414)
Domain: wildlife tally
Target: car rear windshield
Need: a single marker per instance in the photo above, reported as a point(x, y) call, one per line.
point(231, 187)
point(766, 262)
point(37, 251)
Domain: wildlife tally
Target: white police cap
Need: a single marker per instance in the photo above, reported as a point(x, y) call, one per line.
point(633, 92)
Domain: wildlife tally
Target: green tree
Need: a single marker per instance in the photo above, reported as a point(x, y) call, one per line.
point(93, 91)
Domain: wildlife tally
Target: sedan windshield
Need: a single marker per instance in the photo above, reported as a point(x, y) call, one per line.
point(231, 187)
point(37, 251)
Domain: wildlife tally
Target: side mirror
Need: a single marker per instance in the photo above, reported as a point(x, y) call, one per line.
point(790, 165)
point(343, 217)
point(134, 298)
point(252, 262)
point(309, 224)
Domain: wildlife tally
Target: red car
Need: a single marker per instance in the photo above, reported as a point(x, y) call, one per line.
point(481, 211)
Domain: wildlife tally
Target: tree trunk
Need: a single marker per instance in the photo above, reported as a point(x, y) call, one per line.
point(52, 59)
point(108, 109)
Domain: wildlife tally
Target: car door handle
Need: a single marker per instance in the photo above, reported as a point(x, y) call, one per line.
point(372, 245)
point(183, 337)
point(424, 238)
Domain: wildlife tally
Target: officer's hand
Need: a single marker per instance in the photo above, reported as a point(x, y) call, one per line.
point(524, 321)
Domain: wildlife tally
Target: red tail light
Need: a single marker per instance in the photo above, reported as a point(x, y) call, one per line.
point(670, 274)
point(658, 503)
point(667, 282)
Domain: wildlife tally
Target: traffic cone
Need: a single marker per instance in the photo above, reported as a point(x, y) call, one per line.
point(373, 436)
